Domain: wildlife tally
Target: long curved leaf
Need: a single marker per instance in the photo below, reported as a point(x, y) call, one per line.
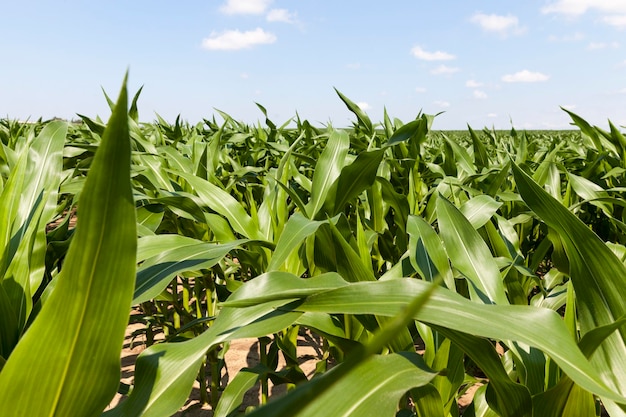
point(223, 203)
point(373, 388)
point(78, 334)
point(28, 203)
point(469, 254)
point(364, 120)
point(327, 169)
point(353, 180)
point(156, 272)
point(309, 399)
point(296, 230)
point(596, 273)
point(447, 309)
point(234, 392)
point(509, 398)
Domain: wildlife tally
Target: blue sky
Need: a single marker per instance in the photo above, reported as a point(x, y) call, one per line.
point(483, 63)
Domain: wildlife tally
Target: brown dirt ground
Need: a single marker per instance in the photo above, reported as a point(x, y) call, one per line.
point(242, 353)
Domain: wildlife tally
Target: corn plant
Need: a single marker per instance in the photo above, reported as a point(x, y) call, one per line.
point(77, 335)
point(501, 253)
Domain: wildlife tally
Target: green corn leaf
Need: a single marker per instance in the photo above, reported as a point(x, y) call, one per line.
point(396, 200)
point(164, 373)
point(27, 264)
point(364, 120)
point(133, 113)
point(591, 192)
point(469, 254)
point(78, 334)
point(479, 210)
point(176, 160)
point(428, 402)
point(461, 156)
point(353, 180)
point(234, 392)
point(450, 310)
point(587, 129)
point(9, 206)
point(183, 205)
point(273, 286)
point(296, 230)
point(328, 169)
point(387, 123)
point(509, 398)
point(481, 158)
point(24, 213)
point(565, 396)
point(480, 406)
point(338, 255)
point(596, 273)
point(372, 388)
point(449, 357)
point(43, 170)
point(155, 171)
point(427, 251)
point(225, 204)
point(564, 399)
point(414, 129)
point(268, 122)
point(358, 378)
point(157, 272)
point(9, 326)
point(95, 126)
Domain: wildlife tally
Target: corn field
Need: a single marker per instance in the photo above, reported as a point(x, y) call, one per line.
point(427, 262)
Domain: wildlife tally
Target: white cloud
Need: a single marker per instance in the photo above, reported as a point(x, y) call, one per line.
point(579, 7)
point(569, 106)
point(622, 91)
point(575, 37)
point(354, 66)
point(282, 15)
point(235, 39)
point(245, 6)
point(420, 90)
point(479, 94)
point(443, 69)
point(363, 105)
point(492, 115)
point(420, 53)
point(525, 76)
point(602, 45)
point(244, 75)
point(473, 84)
point(503, 25)
point(442, 103)
point(619, 21)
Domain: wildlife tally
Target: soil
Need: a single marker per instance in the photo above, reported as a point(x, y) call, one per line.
point(241, 354)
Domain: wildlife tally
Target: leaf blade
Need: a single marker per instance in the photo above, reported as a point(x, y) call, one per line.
point(61, 352)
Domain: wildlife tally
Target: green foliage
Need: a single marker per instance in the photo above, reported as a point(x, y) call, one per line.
point(501, 253)
point(78, 334)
